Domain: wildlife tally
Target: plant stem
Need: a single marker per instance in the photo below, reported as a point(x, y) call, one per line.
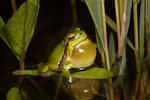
point(122, 38)
point(135, 17)
point(58, 87)
point(13, 4)
point(105, 35)
point(106, 49)
point(103, 59)
point(118, 21)
point(121, 11)
point(74, 12)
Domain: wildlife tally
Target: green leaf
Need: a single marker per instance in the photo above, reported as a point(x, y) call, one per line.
point(13, 94)
point(19, 29)
point(35, 2)
point(130, 44)
point(1, 22)
point(93, 73)
point(24, 94)
point(95, 10)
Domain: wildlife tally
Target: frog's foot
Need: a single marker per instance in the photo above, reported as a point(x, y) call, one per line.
point(47, 73)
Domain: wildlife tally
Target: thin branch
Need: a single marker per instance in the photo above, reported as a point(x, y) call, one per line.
point(13, 4)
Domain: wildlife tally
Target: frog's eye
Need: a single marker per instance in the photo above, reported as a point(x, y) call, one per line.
point(71, 37)
point(83, 54)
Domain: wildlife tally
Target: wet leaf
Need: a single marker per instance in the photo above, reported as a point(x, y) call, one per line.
point(19, 29)
point(13, 94)
point(93, 73)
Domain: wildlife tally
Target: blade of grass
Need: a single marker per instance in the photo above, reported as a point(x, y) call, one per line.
point(105, 36)
point(126, 26)
point(95, 11)
point(130, 44)
point(121, 11)
point(141, 29)
point(118, 19)
point(112, 53)
point(100, 48)
point(113, 25)
point(135, 18)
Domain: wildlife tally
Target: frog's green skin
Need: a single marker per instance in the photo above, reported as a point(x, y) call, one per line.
point(76, 51)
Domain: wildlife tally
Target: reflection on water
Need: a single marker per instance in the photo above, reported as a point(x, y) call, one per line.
point(84, 88)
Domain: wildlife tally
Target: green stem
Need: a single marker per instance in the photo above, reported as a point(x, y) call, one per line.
point(58, 87)
point(103, 59)
point(74, 12)
point(118, 21)
point(105, 36)
point(135, 17)
point(106, 48)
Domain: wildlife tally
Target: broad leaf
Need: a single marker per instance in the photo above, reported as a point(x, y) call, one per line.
point(13, 94)
point(19, 29)
point(93, 73)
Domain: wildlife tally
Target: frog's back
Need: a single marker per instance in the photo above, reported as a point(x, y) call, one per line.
point(56, 56)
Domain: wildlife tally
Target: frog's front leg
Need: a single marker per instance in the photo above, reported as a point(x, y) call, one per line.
point(65, 70)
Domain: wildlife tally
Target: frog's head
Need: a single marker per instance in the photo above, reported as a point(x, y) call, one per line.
point(76, 36)
point(81, 50)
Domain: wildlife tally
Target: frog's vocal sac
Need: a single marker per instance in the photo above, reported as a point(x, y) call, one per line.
point(83, 52)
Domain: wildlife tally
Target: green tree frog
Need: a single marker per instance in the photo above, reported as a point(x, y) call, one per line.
point(75, 51)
